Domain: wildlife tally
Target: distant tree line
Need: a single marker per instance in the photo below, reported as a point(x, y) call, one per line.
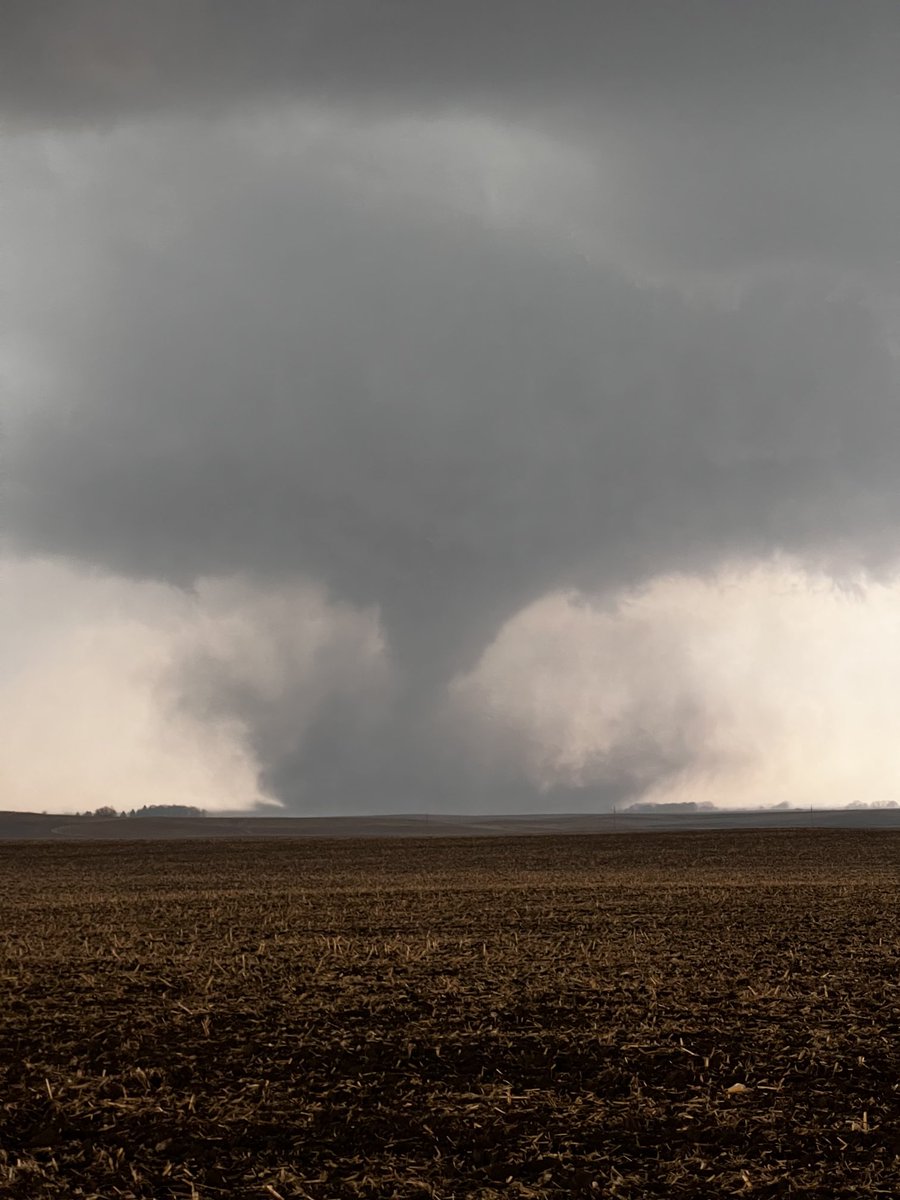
point(149, 810)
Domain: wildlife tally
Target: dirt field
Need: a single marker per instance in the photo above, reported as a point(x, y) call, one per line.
point(669, 1015)
point(20, 826)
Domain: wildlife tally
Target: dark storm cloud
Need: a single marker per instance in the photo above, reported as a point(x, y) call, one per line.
point(273, 371)
point(443, 421)
point(733, 134)
point(439, 419)
point(85, 59)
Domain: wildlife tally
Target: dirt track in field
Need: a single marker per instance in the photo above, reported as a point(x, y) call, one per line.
point(694, 1014)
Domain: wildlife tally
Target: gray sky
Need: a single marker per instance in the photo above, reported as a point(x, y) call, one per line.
point(343, 341)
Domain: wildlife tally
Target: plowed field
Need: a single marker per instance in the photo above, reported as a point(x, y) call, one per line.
point(623, 1016)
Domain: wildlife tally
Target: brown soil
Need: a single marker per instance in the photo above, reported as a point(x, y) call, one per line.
point(657, 1016)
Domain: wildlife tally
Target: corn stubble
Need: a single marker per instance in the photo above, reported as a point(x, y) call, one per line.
point(616, 1016)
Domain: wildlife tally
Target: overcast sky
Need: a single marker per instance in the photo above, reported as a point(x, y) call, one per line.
point(417, 406)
